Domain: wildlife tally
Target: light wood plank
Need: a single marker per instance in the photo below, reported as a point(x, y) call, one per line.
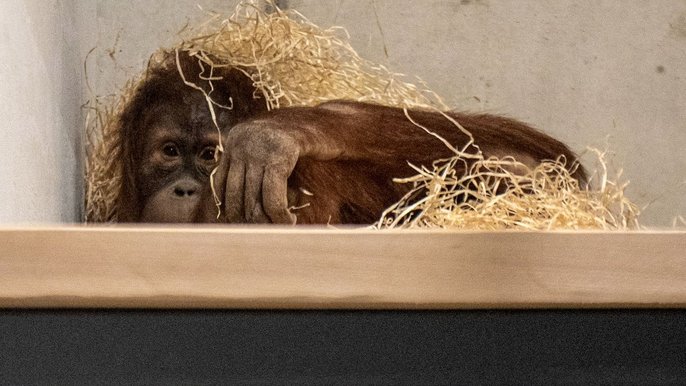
point(324, 268)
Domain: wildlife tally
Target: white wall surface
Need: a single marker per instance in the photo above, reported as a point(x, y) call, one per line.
point(40, 97)
point(590, 72)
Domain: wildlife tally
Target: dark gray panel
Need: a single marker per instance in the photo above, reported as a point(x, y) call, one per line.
point(258, 347)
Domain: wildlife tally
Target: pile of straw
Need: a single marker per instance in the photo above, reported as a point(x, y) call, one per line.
point(293, 62)
point(296, 63)
point(543, 198)
point(103, 159)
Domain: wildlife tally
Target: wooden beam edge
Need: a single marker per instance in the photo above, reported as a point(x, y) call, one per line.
point(569, 270)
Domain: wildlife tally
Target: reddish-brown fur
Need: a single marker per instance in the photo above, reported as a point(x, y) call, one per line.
point(347, 152)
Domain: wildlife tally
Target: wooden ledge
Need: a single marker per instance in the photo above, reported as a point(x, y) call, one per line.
point(223, 267)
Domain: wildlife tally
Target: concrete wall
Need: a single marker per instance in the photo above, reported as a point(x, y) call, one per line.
point(588, 72)
point(42, 44)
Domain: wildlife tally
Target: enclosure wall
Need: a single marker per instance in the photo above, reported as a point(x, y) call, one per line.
point(43, 43)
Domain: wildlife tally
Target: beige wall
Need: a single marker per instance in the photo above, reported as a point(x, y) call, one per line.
point(588, 72)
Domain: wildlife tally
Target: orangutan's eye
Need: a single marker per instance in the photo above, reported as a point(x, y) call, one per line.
point(171, 150)
point(208, 153)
